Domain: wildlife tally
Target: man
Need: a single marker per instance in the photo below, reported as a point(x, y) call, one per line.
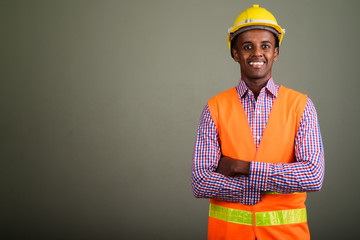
point(258, 148)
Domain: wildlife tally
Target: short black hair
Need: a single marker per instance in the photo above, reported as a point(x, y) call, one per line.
point(233, 41)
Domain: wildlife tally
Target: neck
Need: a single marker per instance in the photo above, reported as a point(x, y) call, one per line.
point(255, 85)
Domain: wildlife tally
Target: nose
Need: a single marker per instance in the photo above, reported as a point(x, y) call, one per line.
point(258, 52)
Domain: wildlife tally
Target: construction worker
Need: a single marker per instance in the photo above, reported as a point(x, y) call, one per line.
point(258, 148)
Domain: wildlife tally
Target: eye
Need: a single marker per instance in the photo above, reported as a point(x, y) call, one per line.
point(266, 46)
point(247, 47)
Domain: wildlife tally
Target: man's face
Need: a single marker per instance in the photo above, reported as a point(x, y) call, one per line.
point(255, 51)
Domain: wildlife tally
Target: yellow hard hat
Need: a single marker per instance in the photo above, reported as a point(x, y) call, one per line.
point(255, 18)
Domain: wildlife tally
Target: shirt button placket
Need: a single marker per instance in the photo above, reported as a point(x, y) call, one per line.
point(257, 118)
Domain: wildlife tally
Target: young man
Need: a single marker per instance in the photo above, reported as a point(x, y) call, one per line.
point(258, 148)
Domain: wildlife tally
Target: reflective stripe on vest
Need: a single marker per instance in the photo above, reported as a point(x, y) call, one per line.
point(261, 218)
point(268, 192)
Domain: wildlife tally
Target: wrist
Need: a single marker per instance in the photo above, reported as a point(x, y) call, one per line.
point(242, 168)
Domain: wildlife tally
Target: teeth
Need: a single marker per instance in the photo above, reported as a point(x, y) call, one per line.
point(257, 63)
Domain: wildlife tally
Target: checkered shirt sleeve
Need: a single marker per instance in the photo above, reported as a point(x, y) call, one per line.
point(206, 183)
point(304, 175)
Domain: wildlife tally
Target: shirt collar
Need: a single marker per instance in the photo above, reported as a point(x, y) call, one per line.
point(270, 87)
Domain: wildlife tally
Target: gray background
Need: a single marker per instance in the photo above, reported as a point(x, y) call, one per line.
point(100, 102)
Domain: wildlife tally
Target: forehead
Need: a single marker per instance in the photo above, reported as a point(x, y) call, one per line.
point(256, 35)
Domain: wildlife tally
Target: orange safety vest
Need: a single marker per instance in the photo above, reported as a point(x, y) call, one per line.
point(276, 216)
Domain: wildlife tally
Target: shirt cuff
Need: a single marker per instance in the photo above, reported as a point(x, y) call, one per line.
point(259, 174)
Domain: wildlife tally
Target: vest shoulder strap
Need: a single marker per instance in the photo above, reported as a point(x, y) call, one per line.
point(292, 99)
point(222, 100)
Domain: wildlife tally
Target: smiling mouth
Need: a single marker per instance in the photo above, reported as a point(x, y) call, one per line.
point(256, 64)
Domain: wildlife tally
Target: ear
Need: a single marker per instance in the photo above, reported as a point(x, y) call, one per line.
point(235, 54)
point(276, 54)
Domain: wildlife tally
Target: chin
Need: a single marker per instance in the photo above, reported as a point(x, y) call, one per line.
point(257, 76)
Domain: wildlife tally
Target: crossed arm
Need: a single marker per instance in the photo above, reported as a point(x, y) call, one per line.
point(235, 180)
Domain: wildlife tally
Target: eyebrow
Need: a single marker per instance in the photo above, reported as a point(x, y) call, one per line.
point(266, 41)
point(246, 42)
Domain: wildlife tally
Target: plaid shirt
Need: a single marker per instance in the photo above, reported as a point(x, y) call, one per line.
point(304, 175)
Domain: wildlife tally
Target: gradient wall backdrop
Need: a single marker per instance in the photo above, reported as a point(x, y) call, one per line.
point(100, 102)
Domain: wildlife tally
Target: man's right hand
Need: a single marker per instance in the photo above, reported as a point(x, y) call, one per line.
point(231, 167)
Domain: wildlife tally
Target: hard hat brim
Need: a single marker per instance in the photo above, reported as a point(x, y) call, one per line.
point(277, 28)
point(262, 27)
